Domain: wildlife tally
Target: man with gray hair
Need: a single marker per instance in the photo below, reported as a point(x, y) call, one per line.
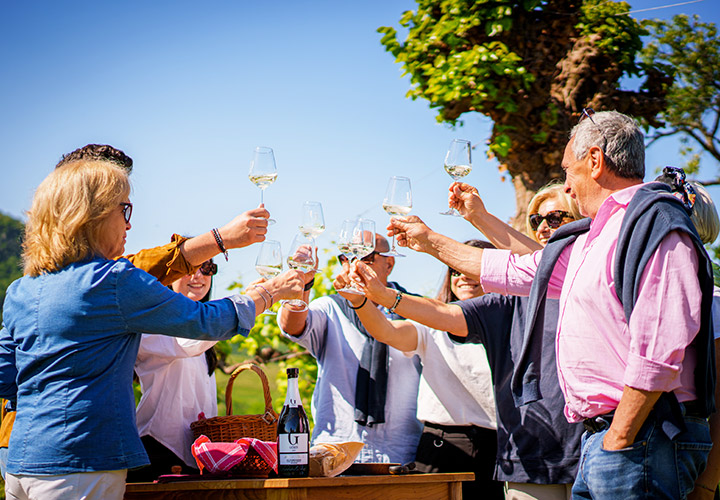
point(634, 342)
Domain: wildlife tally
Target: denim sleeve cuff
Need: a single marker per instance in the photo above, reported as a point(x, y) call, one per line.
point(245, 311)
point(495, 270)
point(649, 375)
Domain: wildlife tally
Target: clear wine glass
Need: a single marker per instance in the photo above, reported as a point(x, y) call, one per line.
point(397, 202)
point(269, 263)
point(302, 258)
point(313, 221)
point(263, 171)
point(362, 243)
point(458, 163)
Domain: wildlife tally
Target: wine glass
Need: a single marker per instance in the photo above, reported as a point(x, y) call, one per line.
point(458, 163)
point(313, 222)
point(397, 202)
point(269, 263)
point(301, 258)
point(263, 171)
point(362, 243)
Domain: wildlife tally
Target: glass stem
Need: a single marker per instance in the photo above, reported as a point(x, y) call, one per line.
point(262, 192)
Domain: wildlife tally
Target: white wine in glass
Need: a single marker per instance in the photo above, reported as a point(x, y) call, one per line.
point(312, 224)
point(269, 263)
point(362, 244)
point(397, 203)
point(302, 258)
point(458, 164)
point(263, 171)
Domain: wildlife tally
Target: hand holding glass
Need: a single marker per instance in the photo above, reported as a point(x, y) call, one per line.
point(361, 243)
point(458, 163)
point(263, 171)
point(397, 202)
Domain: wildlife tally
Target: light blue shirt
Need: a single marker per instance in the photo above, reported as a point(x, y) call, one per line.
point(337, 345)
point(67, 350)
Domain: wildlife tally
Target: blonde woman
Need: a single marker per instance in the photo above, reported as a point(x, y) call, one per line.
point(70, 336)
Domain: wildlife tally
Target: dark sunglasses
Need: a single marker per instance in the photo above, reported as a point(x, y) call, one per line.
point(368, 259)
point(208, 268)
point(554, 219)
point(127, 211)
point(454, 273)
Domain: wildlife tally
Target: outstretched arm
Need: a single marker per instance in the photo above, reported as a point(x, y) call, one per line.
point(429, 312)
point(466, 200)
point(412, 232)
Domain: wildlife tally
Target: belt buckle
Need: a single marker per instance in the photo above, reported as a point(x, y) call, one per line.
point(595, 424)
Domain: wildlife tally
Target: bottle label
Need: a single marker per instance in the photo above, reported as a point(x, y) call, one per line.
point(293, 449)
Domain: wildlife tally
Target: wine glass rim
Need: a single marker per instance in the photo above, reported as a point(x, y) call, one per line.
point(263, 149)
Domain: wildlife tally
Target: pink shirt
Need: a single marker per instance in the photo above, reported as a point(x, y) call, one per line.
point(598, 352)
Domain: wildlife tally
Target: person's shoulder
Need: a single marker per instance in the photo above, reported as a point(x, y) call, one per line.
point(486, 301)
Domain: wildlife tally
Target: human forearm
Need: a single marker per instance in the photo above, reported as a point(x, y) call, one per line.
point(502, 235)
point(401, 335)
point(461, 257)
point(632, 411)
point(293, 322)
point(429, 312)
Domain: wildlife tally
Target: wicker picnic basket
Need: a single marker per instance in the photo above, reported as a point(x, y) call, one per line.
point(228, 428)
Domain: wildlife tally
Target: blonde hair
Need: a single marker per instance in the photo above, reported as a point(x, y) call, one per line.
point(69, 209)
point(548, 192)
point(704, 214)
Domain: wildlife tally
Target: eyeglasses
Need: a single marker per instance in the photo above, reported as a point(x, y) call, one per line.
point(554, 219)
point(127, 211)
point(454, 273)
point(588, 113)
point(208, 268)
point(368, 259)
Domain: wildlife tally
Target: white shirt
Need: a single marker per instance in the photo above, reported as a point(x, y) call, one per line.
point(333, 403)
point(456, 384)
point(175, 387)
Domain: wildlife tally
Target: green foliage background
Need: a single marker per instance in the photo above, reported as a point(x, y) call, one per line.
point(11, 231)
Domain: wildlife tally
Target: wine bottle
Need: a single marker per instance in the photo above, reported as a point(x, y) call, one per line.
point(293, 433)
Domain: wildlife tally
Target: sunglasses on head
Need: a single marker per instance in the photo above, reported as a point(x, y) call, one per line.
point(554, 219)
point(368, 259)
point(208, 268)
point(127, 211)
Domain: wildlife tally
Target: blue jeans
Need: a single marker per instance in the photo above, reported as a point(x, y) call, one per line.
point(653, 467)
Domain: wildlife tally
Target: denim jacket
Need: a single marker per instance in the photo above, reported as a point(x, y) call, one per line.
point(67, 350)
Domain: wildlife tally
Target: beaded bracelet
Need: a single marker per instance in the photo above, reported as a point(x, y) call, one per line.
point(219, 242)
point(358, 307)
point(398, 298)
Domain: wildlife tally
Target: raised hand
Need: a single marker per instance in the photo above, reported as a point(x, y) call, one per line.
point(340, 283)
point(411, 232)
point(366, 279)
point(245, 229)
point(465, 199)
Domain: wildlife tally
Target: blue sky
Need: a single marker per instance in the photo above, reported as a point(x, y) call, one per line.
point(188, 89)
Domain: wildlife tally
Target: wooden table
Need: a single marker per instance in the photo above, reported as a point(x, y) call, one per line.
point(381, 487)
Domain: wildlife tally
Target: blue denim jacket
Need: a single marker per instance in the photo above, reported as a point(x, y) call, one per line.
point(67, 350)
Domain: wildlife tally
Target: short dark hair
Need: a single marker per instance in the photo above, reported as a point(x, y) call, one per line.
point(101, 152)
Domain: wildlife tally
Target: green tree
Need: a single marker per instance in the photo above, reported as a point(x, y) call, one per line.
point(11, 231)
point(531, 66)
point(689, 51)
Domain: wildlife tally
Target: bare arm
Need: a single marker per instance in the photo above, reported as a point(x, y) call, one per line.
point(429, 312)
point(402, 335)
point(245, 229)
point(412, 232)
point(467, 201)
point(707, 482)
point(632, 411)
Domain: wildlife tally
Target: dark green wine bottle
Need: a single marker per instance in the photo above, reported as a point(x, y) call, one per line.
point(293, 433)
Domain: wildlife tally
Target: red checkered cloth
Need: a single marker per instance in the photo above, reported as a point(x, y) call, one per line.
point(221, 457)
